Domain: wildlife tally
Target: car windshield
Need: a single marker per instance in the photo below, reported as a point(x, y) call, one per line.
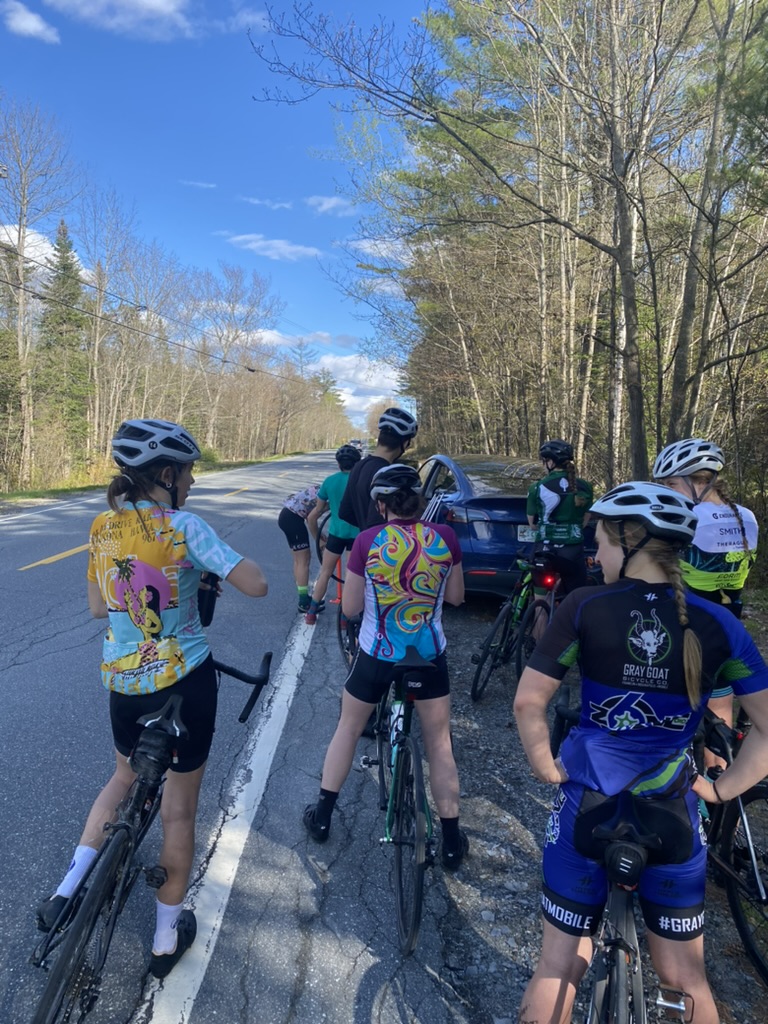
point(499, 475)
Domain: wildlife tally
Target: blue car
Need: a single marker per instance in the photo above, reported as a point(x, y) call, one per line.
point(483, 498)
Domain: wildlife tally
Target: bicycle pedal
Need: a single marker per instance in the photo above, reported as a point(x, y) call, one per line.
point(156, 876)
point(429, 855)
point(368, 762)
point(675, 1001)
point(475, 659)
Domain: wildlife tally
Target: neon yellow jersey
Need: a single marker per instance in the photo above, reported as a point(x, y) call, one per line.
point(718, 559)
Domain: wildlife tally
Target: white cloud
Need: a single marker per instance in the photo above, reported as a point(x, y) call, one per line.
point(331, 204)
point(274, 248)
point(37, 246)
point(198, 184)
point(20, 21)
point(271, 204)
point(160, 19)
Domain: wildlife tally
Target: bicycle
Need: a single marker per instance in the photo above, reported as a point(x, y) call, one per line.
point(538, 614)
point(321, 538)
point(408, 824)
point(82, 933)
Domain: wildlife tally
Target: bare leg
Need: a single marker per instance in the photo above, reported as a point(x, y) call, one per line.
point(680, 965)
point(723, 708)
point(301, 567)
point(341, 750)
point(435, 718)
point(104, 806)
point(177, 813)
point(549, 997)
point(323, 577)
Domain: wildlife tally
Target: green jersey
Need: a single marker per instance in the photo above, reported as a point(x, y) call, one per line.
point(559, 513)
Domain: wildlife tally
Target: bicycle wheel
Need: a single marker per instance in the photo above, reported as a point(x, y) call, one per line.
point(321, 540)
point(383, 751)
point(495, 650)
point(526, 639)
point(346, 631)
point(598, 1001)
point(749, 912)
point(410, 841)
point(73, 980)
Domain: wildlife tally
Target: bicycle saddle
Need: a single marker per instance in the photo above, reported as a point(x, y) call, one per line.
point(167, 719)
point(412, 659)
point(625, 831)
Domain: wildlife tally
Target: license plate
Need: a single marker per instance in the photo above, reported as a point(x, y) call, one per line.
point(527, 534)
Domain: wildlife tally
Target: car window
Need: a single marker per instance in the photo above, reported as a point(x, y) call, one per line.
point(444, 481)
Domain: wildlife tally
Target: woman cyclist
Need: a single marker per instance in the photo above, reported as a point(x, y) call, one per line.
point(717, 562)
point(340, 534)
point(145, 564)
point(649, 655)
point(559, 506)
point(398, 575)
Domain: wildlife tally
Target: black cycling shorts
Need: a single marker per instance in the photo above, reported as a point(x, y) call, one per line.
point(199, 693)
point(338, 545)
point(295, 530)
point(369, 678)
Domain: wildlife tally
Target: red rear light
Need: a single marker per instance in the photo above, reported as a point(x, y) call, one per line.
point(548, 582)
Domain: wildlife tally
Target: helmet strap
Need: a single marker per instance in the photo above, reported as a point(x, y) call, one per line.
point(695, 496)
point(173, 490)
point(628, 552)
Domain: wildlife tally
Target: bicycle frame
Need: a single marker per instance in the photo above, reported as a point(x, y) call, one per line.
point(400, 735)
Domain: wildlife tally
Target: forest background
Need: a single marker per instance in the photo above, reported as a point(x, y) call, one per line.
point(567, 220)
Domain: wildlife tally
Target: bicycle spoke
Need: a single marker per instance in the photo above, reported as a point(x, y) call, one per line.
point(750, 913)
point(409, 838)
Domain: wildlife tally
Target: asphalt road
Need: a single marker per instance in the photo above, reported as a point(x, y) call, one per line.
point(288, 931)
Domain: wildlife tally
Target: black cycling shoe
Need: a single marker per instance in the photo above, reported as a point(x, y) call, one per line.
point(161, 964)
point(452, 858)
point(318, 832)
point(48, 911)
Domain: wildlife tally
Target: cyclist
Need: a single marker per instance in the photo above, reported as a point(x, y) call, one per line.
point(293, 522)
point(398, 575)
point(340, 534)
point(558, 505)
point(144, 570)
point(716, 564)
point(649, 655)
point(397, 429)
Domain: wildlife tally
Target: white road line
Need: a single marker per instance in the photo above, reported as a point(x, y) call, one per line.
point(53, 507)
point(171, 1001)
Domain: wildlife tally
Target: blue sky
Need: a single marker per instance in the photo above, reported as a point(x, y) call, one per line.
point(156, 99)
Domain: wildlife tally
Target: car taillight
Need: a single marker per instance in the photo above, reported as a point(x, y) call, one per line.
point(456, 515)
point(467, 515)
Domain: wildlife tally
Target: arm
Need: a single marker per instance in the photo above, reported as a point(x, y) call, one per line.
point(353, 594)
point(314, 515)
point(248, 578)
point(534, 692)
point(752, 763)
point(96, 602)
point(454, 588)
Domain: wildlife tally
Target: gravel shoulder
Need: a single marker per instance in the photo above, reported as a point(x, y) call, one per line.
point(491, 934)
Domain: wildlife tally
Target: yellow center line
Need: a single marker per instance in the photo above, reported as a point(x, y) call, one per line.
point(54, 558)
point(240, 491)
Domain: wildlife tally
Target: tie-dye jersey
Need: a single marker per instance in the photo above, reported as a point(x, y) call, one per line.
point(636, 720)
point(147, 563)
point(405, 565)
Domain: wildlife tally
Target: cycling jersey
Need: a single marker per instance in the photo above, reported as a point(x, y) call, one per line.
point(717, 560)
point(302, 502)
point(332, 491)
point(405, 564)
point(147, 562)
point(636, 720)
point(357, 506)
point(558, 512)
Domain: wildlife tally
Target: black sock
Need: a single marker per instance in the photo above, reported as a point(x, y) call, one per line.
point(324, 808)
point(451, 835)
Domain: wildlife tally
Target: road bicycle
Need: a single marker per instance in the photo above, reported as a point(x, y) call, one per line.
point(73, 953)
point(321, 538)
point(499, 645)
point(538, 614)
point(402, 795)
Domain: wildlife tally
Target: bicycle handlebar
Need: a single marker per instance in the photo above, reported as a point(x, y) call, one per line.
point(258, 682)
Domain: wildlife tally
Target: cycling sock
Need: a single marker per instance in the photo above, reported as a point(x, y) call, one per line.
point(451, 834)
point(325, 804)
point(82, 859)
point(303, 591)
point(165, 928)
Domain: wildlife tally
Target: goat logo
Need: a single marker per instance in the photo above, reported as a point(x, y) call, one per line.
point(649, 641)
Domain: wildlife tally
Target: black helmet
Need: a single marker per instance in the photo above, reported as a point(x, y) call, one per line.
point(397, 477)
point(400, 422)
point(348, 455)
point(140, 442)
point(557, 451)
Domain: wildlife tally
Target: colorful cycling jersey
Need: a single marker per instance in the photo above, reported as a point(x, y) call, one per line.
point(558, 512)
point(405, 564)
point(302, 502)
point(717, 559)
point(636, 720)
point(147, 563)
point(332, 490)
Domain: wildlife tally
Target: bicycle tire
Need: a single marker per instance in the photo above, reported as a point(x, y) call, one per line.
point(749, 914)
point(410, 841)
point(617, 999)
point(493, 651)
point(321, 539)
point(383, 751)
point(64, 985)
point(526, 641)
point(347, 637)
point(597, 1013)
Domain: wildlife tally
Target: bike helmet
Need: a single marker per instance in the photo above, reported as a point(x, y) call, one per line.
point(400, 422)
point(397, 477)
point(558, 451)
point(664, 513)
point(348, 455)
point(684, 458)
point(140, 442)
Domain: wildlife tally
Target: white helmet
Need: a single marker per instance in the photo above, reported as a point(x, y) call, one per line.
point(664, 513)
point(139, 442)
point(684, 458)
point(400, 422)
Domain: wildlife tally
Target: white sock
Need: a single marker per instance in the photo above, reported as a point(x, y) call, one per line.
point(83, 857)
point(165, 928)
